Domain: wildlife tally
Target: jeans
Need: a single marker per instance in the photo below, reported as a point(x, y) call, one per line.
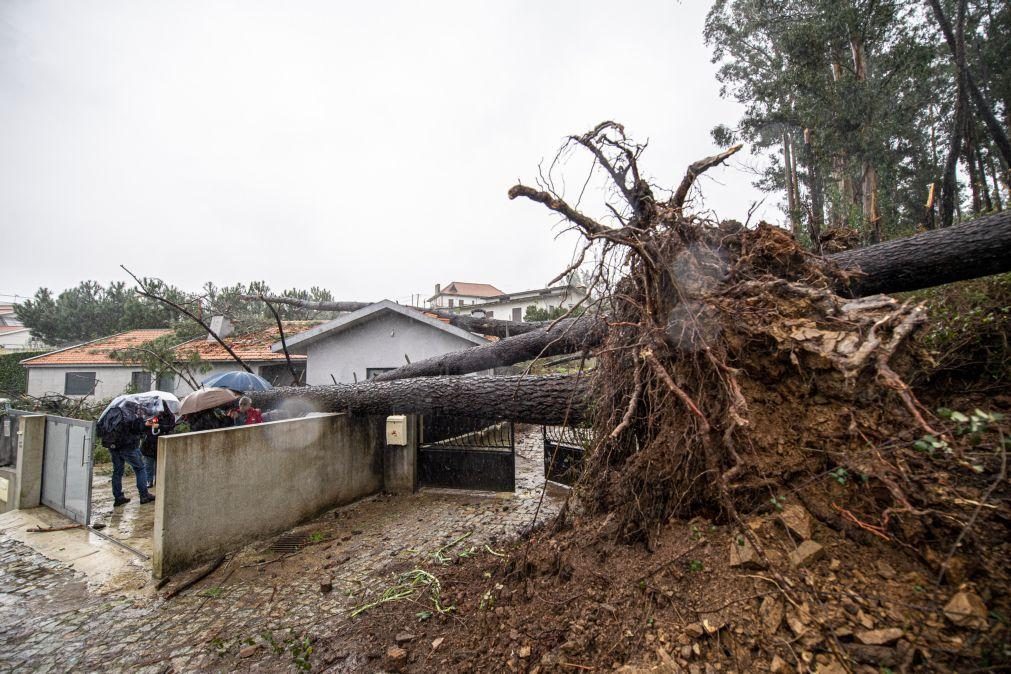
point(119, 460)
point(151, 467)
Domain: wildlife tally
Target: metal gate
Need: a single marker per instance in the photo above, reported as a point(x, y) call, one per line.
point(66, 467)
point(466, 453)
point(564, 449)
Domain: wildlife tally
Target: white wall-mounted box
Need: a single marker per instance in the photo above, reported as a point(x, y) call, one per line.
point(396, 430)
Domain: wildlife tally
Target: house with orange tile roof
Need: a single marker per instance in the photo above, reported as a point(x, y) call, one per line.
point(253, 347)
point(90, 370)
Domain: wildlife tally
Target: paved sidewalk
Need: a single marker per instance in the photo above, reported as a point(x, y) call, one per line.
point(262, 608)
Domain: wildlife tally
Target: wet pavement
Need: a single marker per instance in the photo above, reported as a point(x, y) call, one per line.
point(267, 603)
point(131, 524)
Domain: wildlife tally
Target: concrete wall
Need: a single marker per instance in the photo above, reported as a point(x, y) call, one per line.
point(24, 480)
point(378, 343)
point(218, 490)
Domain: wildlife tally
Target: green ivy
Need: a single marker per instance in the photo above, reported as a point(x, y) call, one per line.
point(13, 375)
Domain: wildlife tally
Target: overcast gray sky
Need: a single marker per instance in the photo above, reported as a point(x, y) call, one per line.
point(363, 147)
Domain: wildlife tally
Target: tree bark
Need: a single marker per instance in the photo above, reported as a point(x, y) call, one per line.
point(569, 335)
point(817, 191)
point(968, 250)
point(550, 400)
point(588, 332)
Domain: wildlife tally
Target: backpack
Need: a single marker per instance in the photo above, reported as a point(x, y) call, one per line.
point(115, 429)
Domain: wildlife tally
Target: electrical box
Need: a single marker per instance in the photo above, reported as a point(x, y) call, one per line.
point(396, 430)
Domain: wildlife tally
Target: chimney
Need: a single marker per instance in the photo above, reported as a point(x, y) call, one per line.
point(438, 288)
point(220, 326)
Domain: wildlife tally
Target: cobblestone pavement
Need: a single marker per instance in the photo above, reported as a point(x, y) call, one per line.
point(261, 609)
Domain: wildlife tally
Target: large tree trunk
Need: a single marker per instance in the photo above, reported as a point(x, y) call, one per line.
point(816, 190)
point(968, 250)
point(551, 400)
point(567, 336)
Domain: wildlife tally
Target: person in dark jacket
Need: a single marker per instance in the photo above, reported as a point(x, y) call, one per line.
point(163, 424)
point(123, 443)
point(209, 420)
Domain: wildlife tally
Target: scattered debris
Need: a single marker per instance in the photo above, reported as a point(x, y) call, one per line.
point(966, 609)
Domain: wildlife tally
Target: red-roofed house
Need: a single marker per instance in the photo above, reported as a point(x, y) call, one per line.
point(252, 347)
point(493, 303)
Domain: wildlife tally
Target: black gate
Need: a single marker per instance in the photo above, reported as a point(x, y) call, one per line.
point(466, 453)
point(564, 449)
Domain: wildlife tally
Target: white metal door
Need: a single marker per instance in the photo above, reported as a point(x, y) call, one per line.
point(66, 467)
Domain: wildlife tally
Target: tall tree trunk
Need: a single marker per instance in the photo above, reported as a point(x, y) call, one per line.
point(982, 106)
point(984, 187)
point(550, 400)
point(970, 163)
point(791, 195)
point(816, 190)
point(948, 179)
point(840, 163)
point(996, 184)
point(869, 174)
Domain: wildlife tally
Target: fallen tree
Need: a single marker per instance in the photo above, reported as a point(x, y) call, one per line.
point(550, 399)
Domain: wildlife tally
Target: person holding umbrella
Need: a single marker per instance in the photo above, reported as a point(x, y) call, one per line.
point(162, 423)
point(120, 427)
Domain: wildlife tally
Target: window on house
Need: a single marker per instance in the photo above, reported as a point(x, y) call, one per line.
point(373, 372)
point(166, 382)
point(79, 384)
point(140, 381)
point(451, 304)
point(517, 314)
point(489, 314)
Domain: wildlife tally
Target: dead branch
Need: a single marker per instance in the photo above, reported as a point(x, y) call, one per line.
point(695, 170)
point(295, 377)
point(186, 312)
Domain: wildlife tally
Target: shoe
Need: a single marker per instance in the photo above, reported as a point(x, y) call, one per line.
point(120, 501)
point(147, 499)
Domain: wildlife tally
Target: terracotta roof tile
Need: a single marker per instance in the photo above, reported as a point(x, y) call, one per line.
point(471, 289)
point(252, 346)
point(96, 352)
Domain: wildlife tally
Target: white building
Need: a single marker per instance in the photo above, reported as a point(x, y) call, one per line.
point(367, 342)
point(14, 336)
point(493, 303)
point(90, 370)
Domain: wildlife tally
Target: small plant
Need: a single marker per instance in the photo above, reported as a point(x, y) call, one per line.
point(301, 650)
point(840, 475)
point(423, 615)
point(777, 502)
point(695, 565)
point(317, 537)
point(930, 445)
point(212, 592)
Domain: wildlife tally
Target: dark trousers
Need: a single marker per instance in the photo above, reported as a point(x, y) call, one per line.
point(119, 460)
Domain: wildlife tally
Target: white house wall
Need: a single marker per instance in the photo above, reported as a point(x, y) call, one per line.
point(378, 343)
point(110, 381)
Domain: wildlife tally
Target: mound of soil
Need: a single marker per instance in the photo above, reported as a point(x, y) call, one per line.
point(824, 596)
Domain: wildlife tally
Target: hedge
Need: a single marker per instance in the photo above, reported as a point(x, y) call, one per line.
point(13, 376)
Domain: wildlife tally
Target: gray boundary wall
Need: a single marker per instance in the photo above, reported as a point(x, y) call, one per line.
point(219, 490)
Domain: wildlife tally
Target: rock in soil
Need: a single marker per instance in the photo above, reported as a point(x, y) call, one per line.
point(806, 553)
point(743, 556)
point(405, 637)
point(966, 609)
point(796, 519)
point(881, 637)
point(396, 658)
point(771, 614)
